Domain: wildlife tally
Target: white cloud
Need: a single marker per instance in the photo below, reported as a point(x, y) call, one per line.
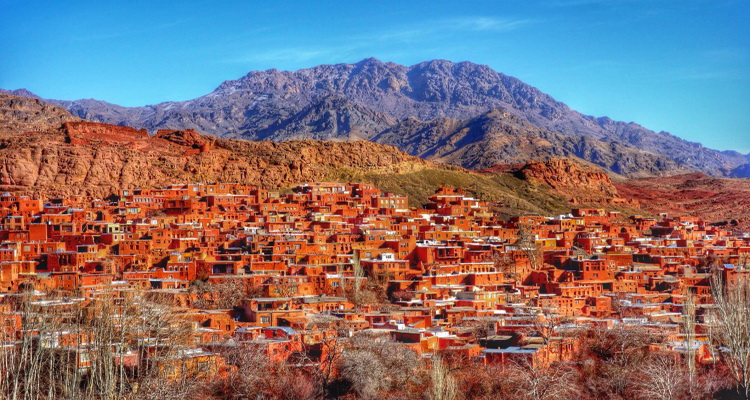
point(375, 43)
point(489, 23)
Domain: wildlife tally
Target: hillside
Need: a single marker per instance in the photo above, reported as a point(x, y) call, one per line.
point(93, 158)
point(716, 200)
point(88, 158)
point(369, 98)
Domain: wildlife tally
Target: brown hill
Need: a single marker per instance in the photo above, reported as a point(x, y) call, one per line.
point(97, 159)
point(579, 183)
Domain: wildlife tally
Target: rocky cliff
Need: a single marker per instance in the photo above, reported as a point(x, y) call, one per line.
point(97, 159)
point(45, 149)
point(579, 183)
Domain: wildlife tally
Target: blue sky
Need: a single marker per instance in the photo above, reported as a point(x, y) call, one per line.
point(677, 65)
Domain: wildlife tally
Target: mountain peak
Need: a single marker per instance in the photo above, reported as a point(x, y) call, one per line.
point(369, 60)
point(20, 92)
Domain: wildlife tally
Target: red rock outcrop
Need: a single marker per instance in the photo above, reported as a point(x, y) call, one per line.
point(188, 138)
point(579, 183)
point(566, 174)
point(98, 159)
point(86, 133)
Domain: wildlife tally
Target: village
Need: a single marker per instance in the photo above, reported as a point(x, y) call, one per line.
point(293, 276)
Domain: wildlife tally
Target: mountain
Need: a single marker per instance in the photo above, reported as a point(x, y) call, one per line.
point(20, 92)
point(372, 98)
point(329, 118)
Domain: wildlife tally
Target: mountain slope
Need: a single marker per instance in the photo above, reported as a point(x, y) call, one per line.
point(359, 101)
point(498, 136)
point(580, 183)
point(329, 118)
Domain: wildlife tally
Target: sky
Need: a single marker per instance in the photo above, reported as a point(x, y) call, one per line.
point(681, 66)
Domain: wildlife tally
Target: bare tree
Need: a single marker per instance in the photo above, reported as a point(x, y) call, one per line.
point(359, 273)
point(731, 328)
point(69, 348)
point(479, 327)
point(248, 375)
point(504, 263)
point(329, 349)
point(370, 290)
point(224, 294)
point(554, 383)
point(527, 244)
point(662, 378)
point(373, 365)
point(743, 260)
point(284, 286)
point(294, 384)
point(544, 322)
point(610, 358)
point(688, 325)
point(442, 385)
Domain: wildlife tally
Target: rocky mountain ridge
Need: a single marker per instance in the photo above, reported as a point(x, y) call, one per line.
point(372, 99)
point(498, 136)
point(99, 159)
point(83, 157)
